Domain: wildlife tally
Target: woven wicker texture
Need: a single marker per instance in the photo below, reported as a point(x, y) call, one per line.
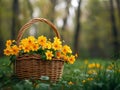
point(31, 66)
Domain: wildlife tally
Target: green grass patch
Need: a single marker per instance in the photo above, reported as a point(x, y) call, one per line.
point(89, 74)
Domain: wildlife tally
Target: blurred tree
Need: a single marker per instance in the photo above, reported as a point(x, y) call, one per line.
point(1, 36)
point(114, 31)
point(15, 19)
point(68, 3)
point(96, 34)
point(118, 6)
point(77, 28)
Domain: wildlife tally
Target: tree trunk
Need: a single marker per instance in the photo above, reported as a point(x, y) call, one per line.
point(118, 6)
point(114, 32)
point(66, 14)
point(77, 30)
point(15, 19)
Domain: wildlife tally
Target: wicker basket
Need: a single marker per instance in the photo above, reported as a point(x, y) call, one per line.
point(32, 66)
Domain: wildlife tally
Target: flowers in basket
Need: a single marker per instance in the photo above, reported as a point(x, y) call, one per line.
point(45, 47)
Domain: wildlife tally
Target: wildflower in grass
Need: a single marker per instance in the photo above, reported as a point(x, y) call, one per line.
point(92, 71)
point(83, 81)
point(89, 79)
point(70, 83)
point(7, 51)
point(15, 50)
point(92, 65)
point(49, 55)
point(86, 61)
point(110, 67)
point(97, 65)
point(42, 40)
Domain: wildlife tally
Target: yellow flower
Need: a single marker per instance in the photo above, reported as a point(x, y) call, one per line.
point(23, 41)
point(86, 61)
point(97, 65)
point(48, 45)
point(58, 54)
point(26, 48)
point(15, 50)
point(83, 81)
point(57, 40)
point(110, 67)
point(42, 40)
point(56, 46)
point(49, 55)
point(65, 58)
point(71, 59)
point(70, 83)
point(92, 72)
point(34, 47)
point(7, 51)
point(8, 43)
point(90, 79)
point(91, 65)
point(31, 40)
point(66, 49)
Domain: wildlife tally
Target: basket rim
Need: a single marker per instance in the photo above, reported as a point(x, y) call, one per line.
point(36, 56)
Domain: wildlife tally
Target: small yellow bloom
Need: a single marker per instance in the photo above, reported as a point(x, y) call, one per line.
point(57, 40)
point(24, 41)
point(57, 46)
point(86, 61)
point(92, 72)
point(49, 55)
point(58, 54)
point(71, 59)
point(34, 47)
point(70, 83)
point(8, 43)
point(76, 55)
point(7, 51)
point(97, 65)
point(66, 49)
point(42, 40)
point(90, 79)
point(110, 67)
point(48, 45)
point(65, 58)
point(92, 65)
point(30, 40)
point(15, 50)
point(26, 48)
point(83, 81)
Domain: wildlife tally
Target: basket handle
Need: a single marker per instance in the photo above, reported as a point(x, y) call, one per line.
point(28, 24)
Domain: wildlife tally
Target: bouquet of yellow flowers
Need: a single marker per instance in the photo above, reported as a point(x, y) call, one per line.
point(43, 46)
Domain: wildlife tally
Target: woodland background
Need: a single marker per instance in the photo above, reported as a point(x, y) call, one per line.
point(91, 27)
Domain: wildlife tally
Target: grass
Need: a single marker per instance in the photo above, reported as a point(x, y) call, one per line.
point(89, 74)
